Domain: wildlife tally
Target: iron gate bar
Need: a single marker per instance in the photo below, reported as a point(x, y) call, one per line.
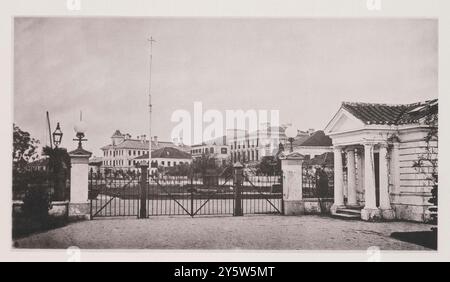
point(209, 197)
point(114, 196)
point(267, 199)
point(170, 195)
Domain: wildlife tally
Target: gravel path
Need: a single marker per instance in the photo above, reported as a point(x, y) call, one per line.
point(249, 232)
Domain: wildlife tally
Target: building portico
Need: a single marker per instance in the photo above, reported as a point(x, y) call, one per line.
point(366, 172)
point(375, 147)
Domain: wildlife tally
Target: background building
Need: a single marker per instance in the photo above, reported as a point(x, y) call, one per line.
point(251, 147)
point(164, 157)
point(216, 148)
point(313, 145)
point(124, 149)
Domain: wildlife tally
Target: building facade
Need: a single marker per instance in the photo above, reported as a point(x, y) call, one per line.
point(217, 149)
point(251, 147)
point(382, 145)
point(166, 157)
point(314, 145)
point(124, 149)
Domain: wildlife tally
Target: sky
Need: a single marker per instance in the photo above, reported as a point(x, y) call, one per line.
point(305, 68)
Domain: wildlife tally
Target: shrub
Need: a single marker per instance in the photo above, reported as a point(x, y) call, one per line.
point(36, 204)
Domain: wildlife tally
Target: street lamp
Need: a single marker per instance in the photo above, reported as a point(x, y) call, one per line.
point(57, 136)
point(291, 133)
point(80, 130)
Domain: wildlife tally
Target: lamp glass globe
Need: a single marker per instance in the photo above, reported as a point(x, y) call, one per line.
point(291, 132)
point(80, 127)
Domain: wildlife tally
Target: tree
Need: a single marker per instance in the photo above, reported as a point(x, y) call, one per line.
point(269, 165)
point(203, 163)
point(58, 165)
point(427, 162)
point(24, 148)
point(179, 170)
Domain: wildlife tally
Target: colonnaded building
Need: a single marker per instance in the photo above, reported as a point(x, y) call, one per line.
point(390, 153)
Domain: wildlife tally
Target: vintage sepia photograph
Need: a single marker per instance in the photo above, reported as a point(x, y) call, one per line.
point(235, 133)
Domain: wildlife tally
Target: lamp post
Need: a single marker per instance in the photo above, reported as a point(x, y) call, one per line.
point(80, 130)
point(58, 176)
point(291, 133)
point(57, 136)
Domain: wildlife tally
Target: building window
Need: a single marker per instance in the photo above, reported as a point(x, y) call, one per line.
point(163, 163)
point(211, 150)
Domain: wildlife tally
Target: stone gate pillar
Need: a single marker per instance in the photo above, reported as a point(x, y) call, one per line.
point(291, 166)
point(79, 206)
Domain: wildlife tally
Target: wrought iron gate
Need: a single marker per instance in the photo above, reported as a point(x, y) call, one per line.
point(135, 193)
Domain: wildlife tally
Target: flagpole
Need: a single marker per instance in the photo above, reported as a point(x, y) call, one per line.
point(151, 40)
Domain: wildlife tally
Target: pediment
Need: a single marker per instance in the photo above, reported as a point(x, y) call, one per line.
point(291, 156)
point(343, 121)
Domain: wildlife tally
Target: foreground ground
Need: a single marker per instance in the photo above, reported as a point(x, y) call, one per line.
point(249, 232)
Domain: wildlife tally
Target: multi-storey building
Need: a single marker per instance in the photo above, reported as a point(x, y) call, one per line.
point(250, 147)
point(217, 149)
point(164, 157)
point(124, 149)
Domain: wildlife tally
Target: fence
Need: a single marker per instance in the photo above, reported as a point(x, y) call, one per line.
point(313, 177)
point(130, 193)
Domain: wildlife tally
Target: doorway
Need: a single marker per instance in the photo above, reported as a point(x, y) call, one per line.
point(377, 177)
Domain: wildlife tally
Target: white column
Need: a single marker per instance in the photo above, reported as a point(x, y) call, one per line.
point(338, 178)
point(369, 177)
point(385, 202)
point(351, 178)
point(370, 211)
point(361, 172)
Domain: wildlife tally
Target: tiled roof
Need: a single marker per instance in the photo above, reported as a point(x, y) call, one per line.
point(143, 145)
point(166, 153)
point(371, 113)
point(117, 134)
point(317, 139)
point(300, 139)
point(324, 159)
